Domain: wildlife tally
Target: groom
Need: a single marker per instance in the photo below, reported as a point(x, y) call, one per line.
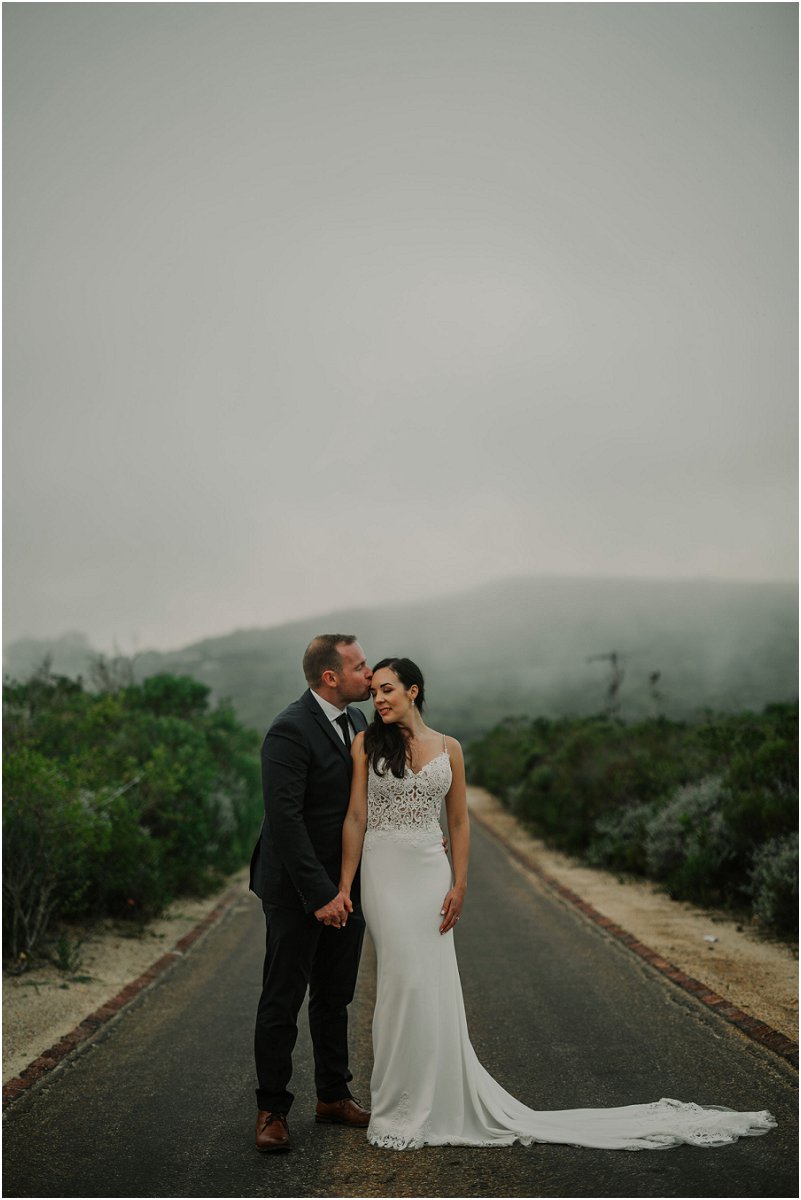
point(313, 941)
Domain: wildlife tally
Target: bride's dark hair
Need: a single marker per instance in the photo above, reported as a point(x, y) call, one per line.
point(386, 744)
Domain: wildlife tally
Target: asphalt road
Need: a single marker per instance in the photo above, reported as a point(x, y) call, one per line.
point(162, 1102)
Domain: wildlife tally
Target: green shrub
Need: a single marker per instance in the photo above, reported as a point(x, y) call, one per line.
point(589, 770)
point(54, 835)
point(619, 839)
point(762, 785)
point(172, 696)
point(690, 804)
point(119, 801)
point(774, 883)
point(688, 844)
point(134, 880)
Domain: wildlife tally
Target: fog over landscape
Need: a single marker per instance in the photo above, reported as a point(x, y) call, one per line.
point(351, 308)
point(538, 647)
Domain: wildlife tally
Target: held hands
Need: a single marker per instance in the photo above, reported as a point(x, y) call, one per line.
point(336, 911)
point(452, 908)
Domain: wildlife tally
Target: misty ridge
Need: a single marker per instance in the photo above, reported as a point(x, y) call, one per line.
point(528, 646)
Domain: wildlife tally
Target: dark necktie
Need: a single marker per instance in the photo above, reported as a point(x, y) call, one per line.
point(342, 722)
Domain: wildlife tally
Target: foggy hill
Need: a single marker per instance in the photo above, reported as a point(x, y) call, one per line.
point(69, 654)
point(518, 646)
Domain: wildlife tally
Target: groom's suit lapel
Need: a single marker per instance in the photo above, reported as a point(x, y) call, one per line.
point(325, 724)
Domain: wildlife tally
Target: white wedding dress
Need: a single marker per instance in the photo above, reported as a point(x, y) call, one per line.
point(428, 1087)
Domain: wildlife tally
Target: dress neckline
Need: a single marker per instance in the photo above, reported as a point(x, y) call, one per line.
point(427, 764)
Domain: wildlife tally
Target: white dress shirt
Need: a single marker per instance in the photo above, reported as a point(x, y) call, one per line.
point(332, 712)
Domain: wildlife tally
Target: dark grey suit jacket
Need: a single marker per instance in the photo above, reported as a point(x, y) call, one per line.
point(306, 773)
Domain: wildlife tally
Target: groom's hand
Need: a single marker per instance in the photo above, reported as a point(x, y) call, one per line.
point(336, 911)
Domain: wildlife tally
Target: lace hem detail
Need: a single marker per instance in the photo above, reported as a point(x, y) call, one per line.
point(398, 1135)
point(692, 1124)
point(389, 1141)
point(704, 1126)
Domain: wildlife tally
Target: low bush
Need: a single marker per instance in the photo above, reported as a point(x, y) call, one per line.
point(688, 845)
point(118, 801)
point(774, 883)
point(688, 804)
point(54, 836)
point(619, 839)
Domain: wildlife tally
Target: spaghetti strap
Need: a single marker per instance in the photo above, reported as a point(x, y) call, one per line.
point(444, 746)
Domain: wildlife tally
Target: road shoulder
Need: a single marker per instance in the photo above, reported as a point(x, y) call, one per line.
point(47, 1013)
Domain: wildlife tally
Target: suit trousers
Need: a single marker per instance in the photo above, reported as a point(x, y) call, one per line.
point(303, 953)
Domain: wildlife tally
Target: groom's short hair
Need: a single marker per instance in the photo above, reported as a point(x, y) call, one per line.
point(322, 655)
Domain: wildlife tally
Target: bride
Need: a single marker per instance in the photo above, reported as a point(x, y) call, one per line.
point(428, 1087)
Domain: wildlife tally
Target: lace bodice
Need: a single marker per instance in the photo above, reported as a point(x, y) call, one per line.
point(411, 804)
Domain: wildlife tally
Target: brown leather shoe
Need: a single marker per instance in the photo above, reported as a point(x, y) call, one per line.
point(342, 1112)
point(272, 1132)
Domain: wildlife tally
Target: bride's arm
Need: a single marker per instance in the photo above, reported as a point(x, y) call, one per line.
point(356, 817)
point(459, 833)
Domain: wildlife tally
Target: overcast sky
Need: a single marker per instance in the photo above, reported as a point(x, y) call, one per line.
point(312, 305)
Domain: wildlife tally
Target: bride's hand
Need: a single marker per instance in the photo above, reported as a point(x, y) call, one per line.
point(451, 908)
